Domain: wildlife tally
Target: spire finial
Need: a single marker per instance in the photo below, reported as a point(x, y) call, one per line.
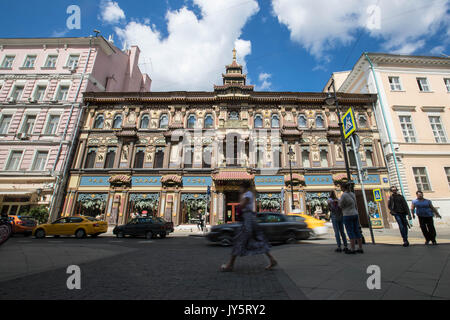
point(234, 54)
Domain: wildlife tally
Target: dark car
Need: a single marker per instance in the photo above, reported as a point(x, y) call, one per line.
point(149, 227)
point(277, 228)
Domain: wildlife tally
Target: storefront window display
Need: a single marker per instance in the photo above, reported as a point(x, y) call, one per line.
point(144, 204)
point(268, 202)
point(92, 205)
point(193, 205)
point(317, 205)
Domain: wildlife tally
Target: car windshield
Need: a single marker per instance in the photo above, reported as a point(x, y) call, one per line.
point(91, 219)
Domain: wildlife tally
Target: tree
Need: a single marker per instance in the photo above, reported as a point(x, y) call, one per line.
point(39, 213)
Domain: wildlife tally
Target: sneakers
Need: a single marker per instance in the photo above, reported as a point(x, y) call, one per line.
point(360, 251)
point(427, 242)
point(406, 244)
point(338, 250)
point(434, 243)
point(350, 252)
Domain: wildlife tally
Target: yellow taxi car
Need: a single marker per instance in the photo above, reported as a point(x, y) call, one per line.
point(80, 227)
point(318, 227)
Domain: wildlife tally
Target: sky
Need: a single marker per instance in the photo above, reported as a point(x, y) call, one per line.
point(284, 45)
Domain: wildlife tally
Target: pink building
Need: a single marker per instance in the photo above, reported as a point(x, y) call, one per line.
point(42, 82)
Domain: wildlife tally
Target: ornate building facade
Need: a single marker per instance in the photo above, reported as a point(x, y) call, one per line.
point(161, 152)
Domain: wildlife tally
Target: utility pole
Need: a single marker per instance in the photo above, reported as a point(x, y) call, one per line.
point(361, 181)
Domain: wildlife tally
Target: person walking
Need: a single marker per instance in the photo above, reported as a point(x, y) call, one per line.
point(399, 209)
point(347, 202)
point(425, 210)
point(250, 239)
point(337, 221)
point(200, 220)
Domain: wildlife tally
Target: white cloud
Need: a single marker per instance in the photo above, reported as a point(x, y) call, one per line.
point(265, 79)
point(438, 50)
point(110, 12)
point(194, 54)
point(321, 25)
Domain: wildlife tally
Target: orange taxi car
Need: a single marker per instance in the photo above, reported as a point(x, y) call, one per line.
point(22, 224)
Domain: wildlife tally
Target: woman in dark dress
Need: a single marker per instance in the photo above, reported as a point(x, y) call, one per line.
point(250, 239)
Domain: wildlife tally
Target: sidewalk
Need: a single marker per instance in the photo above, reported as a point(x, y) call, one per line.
point(417, 272)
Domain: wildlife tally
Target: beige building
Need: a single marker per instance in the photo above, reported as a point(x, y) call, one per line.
point(413, 115)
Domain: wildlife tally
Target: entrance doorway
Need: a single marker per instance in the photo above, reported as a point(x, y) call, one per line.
point(232, 201)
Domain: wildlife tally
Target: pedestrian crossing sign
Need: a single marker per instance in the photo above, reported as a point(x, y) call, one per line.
point(377, 195)
point(349, 123)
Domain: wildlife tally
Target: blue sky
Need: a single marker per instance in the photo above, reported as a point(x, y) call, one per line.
point(285, 45)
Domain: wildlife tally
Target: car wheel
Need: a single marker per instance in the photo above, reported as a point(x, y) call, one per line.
point(291, 238)
point(120, 234)
point(39, 234)
point(226, 240)
point(162, 235)
point(149, 235)
point(80, 233)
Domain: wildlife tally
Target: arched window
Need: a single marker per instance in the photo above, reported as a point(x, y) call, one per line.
point(117, 124)
point(209, 122)
point(90, 158)
point(233, 115)
point(275, 121)
point(362, 121)
point(99, 122)
point(319, 122)
point(145, 121)
point(159, 158)
point(192, 121)
point(258, 121)
point(305, 158)
point(302, 121)
point(110, 157)
point(164, 121)
point(324, 157)
point(139, 158)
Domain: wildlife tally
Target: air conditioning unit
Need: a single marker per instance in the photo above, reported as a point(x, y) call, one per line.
point(32, 100)
point(22, 136)
point(12, 100)
point(54, 101)
point(73, 69)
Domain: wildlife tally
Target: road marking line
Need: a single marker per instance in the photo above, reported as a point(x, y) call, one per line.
point(115, 241)
point(145, 241)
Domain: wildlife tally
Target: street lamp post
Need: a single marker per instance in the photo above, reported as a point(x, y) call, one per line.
point(333, 100)
point(291, 154)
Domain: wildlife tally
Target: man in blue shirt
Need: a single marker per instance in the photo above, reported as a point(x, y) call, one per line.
point(425, 211)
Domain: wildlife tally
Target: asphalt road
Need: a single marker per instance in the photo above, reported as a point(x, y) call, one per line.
point(181, 268)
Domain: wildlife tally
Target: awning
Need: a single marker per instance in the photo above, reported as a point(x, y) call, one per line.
point(233, 176)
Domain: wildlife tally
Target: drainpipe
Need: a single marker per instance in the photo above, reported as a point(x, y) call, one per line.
point(58, 179)
point(385, 123)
